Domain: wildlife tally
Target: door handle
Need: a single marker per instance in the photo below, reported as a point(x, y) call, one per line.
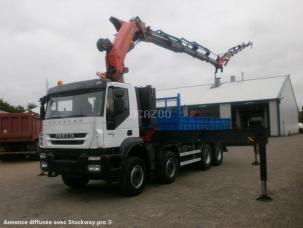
point(129, 132)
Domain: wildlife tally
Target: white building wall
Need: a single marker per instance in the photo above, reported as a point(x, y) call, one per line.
point(273, 118)
point(225, 110)
point(185, 110)
point(288, 110)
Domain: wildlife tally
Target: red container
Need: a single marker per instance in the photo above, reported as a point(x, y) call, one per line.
point(17, 127)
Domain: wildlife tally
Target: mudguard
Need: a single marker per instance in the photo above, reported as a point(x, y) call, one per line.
point(128, 144)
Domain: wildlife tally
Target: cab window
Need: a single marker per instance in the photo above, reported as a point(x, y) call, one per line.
point(117, 107)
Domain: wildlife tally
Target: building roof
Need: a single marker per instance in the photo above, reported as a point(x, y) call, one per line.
point(2, 111)
point(227, 92)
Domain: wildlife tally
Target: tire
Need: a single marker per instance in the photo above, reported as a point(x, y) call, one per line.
point(168, 167)
point(133, 176)
point(217, 158)
point(206, 157)
point(75, 182)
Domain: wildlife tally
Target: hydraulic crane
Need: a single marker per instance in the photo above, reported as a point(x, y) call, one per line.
point(110, 130)
point(135, 30)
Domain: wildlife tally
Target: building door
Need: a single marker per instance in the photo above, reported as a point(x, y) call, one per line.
point(250, 115)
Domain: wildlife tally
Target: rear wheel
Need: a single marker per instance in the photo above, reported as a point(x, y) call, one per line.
point(168, 167)
point(75, 182)
point(217, 154)
point(206, 157)
point(133, 176)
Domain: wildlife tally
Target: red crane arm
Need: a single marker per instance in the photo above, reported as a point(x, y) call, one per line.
point(133, 31)
point(128, 34)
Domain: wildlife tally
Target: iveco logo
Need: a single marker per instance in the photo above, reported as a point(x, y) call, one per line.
point(65, 136)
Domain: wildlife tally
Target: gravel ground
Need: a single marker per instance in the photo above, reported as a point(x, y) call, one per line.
point(223, 196)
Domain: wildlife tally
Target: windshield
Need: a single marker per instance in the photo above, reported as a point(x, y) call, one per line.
point(75, 105)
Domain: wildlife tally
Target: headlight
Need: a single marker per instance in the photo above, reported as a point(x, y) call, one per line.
point(94, 158)
point(94, 168)
point(42, 156)
point(43, 165)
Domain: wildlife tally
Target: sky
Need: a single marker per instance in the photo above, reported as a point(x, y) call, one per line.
point(43, 40)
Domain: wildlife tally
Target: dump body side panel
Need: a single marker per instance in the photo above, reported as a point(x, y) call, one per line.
point(19, 127)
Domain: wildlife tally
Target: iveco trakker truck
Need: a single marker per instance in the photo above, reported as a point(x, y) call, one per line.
point(110, 130)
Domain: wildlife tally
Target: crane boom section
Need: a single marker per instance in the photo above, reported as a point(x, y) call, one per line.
point(131, 32)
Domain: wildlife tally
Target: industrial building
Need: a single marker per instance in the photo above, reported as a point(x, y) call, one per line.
point(268, 102)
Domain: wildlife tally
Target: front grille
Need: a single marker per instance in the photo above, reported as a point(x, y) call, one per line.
point(67, 142)
point(75, 135)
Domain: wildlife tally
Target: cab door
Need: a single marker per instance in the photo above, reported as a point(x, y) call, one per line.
point(119, 123)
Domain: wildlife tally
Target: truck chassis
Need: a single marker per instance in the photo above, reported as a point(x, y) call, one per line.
point(135, 161)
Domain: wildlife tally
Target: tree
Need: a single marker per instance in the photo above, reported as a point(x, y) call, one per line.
point(30, 107)
point(4, 106)
point(19, 108)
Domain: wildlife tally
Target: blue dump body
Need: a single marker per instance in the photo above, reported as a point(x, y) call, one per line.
point(170, 118)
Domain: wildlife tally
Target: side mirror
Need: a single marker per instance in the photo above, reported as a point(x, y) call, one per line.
point(42, 108)
point(42, 112)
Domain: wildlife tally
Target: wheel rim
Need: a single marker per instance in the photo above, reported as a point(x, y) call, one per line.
point(207, 156)
point(170, 167)
point(137, 176)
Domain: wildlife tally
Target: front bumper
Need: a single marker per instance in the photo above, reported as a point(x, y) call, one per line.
point(75, 162)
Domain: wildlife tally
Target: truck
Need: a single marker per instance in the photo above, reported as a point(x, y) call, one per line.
point(19, 135)
point(106, 129)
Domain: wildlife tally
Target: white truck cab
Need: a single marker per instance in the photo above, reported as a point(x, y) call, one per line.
point(98, 114)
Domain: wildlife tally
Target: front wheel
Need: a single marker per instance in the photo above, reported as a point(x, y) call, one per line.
point(75, 182)
point(133, 176)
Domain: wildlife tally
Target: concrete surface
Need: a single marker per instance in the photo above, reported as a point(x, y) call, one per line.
point(223, 196)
